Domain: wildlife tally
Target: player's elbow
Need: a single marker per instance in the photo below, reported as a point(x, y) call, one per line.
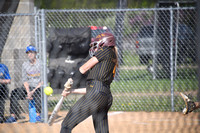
point(9, 81)
point(82, 70)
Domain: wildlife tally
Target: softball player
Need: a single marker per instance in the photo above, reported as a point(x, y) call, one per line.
point(98, 98)
point(31, 78)
point(4, 80)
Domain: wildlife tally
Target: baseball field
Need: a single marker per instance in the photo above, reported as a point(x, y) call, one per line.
point(119, 122)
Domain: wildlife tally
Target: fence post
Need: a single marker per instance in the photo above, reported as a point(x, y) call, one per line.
point(198, 47)
point(45, 109)
point(119, 32)
point(171, 59)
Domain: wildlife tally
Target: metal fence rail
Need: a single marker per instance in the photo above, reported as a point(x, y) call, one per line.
point(157, 52)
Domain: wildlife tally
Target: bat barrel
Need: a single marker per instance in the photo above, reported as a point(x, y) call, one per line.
point(55, 111)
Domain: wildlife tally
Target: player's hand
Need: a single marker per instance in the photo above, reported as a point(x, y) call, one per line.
point(65, 93)
point(29, 95)
point(29, 98)
point(68, 84)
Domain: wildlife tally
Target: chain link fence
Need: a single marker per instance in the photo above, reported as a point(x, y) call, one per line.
point(157, 53)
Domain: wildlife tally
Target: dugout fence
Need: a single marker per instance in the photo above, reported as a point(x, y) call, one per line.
point(157, 53)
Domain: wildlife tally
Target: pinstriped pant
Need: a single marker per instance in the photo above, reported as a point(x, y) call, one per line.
point(96, 102)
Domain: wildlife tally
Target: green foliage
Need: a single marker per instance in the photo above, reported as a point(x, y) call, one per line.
point(91, 4)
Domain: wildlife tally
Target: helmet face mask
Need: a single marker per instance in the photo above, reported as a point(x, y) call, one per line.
point(94, 47)
point(103, 39)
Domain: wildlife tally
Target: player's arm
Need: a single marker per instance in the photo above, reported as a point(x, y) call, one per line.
point(88, 65)
point(38, 86)
point(26, 86)
point(25, 79)
point(74, 91)
point(82, 70)
point(5, 81)
point(78, 91)
point(29, 94)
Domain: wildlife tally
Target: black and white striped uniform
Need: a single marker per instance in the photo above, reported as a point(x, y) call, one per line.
point(98, 98)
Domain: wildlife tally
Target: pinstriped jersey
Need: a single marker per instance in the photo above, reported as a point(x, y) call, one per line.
point(104, 70)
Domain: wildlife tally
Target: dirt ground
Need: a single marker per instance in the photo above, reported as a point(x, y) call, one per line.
point(119, 122)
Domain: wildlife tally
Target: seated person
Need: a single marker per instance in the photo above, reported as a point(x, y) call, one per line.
point(31, 76)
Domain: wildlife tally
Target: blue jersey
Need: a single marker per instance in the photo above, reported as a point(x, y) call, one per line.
point(4, 72)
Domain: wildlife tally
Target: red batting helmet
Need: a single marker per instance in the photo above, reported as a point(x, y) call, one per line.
point(103, 39)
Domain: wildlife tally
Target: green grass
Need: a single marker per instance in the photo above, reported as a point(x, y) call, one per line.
point(130, 59)
point(141, 81)
point(147, 103)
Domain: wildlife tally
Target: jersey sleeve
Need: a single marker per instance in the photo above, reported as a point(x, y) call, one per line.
point(7, 75)
point(102, 53)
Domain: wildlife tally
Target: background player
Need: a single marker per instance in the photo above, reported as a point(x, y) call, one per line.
point(98, 98)
point(31, 78)
point(4, 80)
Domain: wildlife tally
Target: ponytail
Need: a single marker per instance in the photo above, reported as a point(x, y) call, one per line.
point(116, 53)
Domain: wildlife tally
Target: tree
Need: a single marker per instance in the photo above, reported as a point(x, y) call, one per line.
point(91, 4)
